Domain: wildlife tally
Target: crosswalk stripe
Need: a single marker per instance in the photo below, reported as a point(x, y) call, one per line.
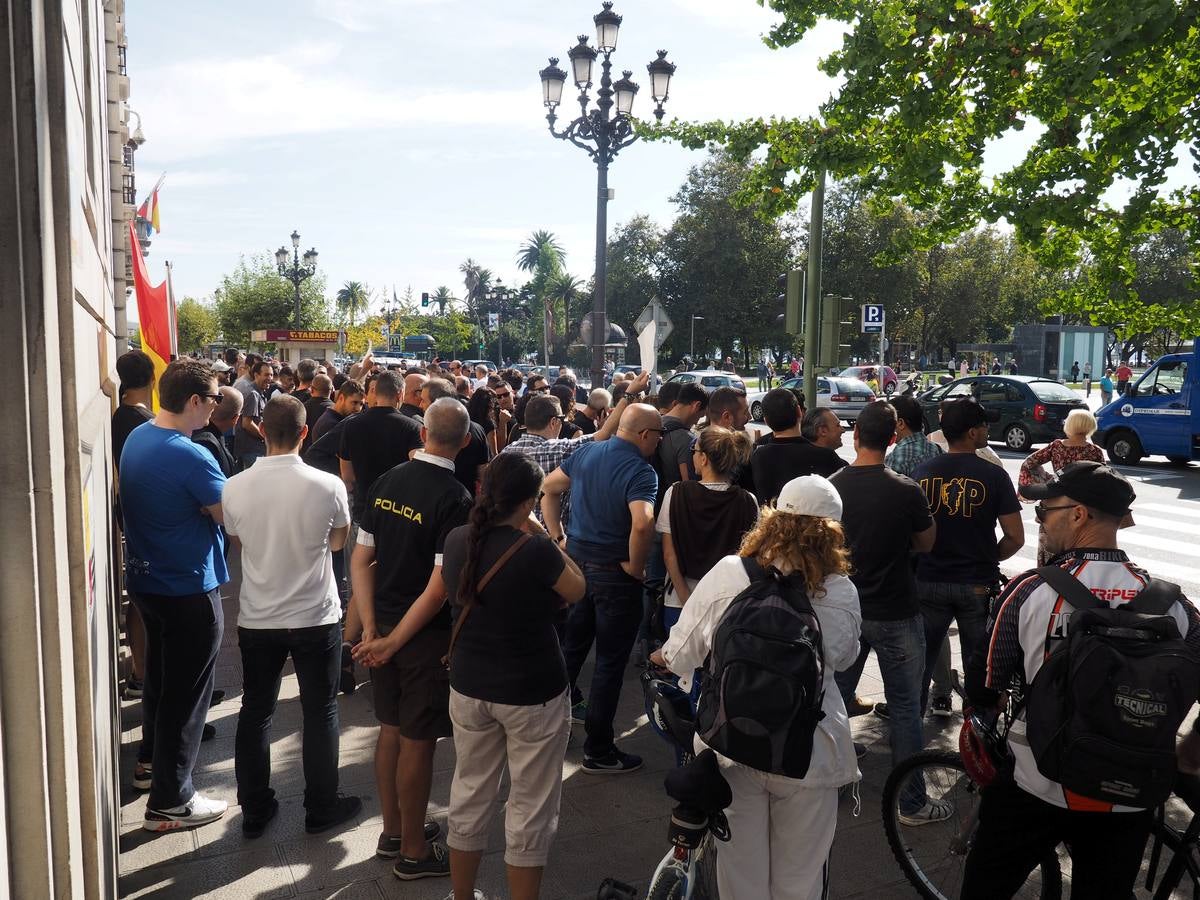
point(1145, 522)
point(1133, 538)
point(1182, 508)
point(1185, 575)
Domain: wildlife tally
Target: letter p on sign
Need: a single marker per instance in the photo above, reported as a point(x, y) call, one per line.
point(872, 318)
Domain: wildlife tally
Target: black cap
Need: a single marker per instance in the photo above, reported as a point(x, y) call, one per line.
point(960, 416)
point(1090, 483)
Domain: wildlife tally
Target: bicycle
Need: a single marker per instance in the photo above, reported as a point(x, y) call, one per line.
point(933, 855)
point(688, 870)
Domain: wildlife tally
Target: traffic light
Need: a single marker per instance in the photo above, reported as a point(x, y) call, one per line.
point(791, 299)
point(424, 298)
point(836, 313)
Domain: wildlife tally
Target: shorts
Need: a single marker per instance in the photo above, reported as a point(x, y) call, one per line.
point(412, 692)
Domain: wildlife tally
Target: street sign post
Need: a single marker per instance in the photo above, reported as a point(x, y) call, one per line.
point(873, 321)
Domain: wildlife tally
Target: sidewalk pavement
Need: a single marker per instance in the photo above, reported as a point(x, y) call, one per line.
point(611, 826)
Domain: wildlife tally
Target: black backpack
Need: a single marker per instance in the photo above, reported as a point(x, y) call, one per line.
point(764, 677)
point(1103, 711)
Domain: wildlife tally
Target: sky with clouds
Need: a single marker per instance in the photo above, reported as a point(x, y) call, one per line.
point(400, 137)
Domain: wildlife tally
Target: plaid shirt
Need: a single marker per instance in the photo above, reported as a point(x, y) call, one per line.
point(549, 454)
point(910, 452)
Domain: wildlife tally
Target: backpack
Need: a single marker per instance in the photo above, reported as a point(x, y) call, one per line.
point(1103, 711)
point(763, 681)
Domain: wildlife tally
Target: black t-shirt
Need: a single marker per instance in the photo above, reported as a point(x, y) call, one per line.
point(966, 495)
point(303, 395)
point(124, 420)
point(320, 428)
point(471, 459)
point(374, 441)
point(408, 513)
point(508, 651)
point(881, 511)
point(775, 463)
point(584, 424)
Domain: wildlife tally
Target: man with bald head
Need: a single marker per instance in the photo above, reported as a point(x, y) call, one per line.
point(316, 405)
point(613, 489)
point(411, 407)
point(222, 421)
point(401, 597)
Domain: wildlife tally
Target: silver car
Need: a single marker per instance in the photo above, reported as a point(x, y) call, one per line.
point(845, 396)
point(709, 379)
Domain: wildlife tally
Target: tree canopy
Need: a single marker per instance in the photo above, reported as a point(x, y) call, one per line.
point(1110, 89)
point(254, 296)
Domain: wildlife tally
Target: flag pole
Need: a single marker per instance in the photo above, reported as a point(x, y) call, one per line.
point(172, 319)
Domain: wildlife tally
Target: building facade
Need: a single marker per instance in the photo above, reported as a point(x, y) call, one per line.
point(64, 200)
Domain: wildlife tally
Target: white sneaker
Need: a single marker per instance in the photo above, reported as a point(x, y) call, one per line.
point(198, 811)
point(478, 895)
point(932, 811)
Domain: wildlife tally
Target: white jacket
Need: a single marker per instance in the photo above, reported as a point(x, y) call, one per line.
point(833, 762)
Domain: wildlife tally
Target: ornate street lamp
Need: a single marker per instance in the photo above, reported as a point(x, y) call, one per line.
point(601, 135)
point(295, 272)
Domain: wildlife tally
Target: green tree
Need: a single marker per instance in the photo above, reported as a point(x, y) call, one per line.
point(443, 298)
point(352, 299)
point(253, 296)
point(721, 261)
point(543, 257)
point(196, 324)
point(1109, 89)
point(632, 280)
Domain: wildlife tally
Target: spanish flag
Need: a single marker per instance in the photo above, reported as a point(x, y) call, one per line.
point(148, 211)
point(154, 313)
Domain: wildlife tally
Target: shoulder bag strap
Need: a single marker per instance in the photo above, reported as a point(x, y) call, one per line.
point(1069, 587)
point(1157, 597)
point(483, 582)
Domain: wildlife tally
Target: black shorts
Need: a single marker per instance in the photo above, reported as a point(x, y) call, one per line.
point(412, 692)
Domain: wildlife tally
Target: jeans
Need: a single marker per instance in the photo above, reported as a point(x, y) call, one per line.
point(316, 656)
point(183, 635)
point(900, 648)
point(656, 577)
point(609, 614)
point(942, 602)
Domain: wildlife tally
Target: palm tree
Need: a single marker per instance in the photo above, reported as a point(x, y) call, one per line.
point(353, 297)
point(561, 290)
point(541, 252)
point(443, 298)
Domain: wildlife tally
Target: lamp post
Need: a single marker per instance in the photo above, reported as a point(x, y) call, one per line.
point(389, 313)
point(296, 273)
point(692, 351)
point(601, 135)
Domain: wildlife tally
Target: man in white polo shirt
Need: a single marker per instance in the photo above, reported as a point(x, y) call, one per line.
point(288, 518)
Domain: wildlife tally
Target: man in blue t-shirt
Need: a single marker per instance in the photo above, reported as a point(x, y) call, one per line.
point(610, 533)
point(967, 497)
point(174, 567)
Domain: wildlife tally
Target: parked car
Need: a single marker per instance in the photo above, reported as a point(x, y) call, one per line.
point(709, 379)
point(472, 363)
point(888, 383)
point(1031, 410)
point(845, 396)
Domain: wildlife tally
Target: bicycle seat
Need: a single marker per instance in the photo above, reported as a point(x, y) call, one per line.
point(1187, 789)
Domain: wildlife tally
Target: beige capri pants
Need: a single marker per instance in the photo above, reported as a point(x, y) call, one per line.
point(533, 741)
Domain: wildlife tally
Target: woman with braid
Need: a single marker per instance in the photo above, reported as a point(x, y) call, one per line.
point(507, 582)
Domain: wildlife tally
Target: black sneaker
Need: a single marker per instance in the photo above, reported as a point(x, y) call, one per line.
point(435, 865)
point(881, 710)
point(941, 707)
point(133, 688)
point(858, 707)
point(344, 809)
point(215, 698)
point(142, 776)
point(613, 763)
point(348, 682)
point(389, 844)
point(254, 824)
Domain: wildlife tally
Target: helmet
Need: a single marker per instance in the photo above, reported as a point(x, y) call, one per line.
point(983, 752)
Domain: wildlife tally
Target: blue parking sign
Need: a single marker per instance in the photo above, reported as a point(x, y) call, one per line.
point(872, 318)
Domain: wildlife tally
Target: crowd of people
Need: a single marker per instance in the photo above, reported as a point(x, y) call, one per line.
point(473, 537)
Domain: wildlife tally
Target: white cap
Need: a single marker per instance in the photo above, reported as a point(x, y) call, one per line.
point(810, 495)
point(220, 366)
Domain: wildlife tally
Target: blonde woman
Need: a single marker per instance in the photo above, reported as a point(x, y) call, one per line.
point(782, 828)
point(1077, 446)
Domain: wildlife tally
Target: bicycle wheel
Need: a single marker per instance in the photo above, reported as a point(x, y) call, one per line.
point(704, 872)
point(933, 856)
point(1162, 849)
point(667, 886)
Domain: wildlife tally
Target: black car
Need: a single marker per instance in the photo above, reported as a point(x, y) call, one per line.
point(1031, 410)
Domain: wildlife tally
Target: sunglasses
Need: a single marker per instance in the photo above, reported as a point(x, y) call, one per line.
point(1040, 511)
point(216, 398)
